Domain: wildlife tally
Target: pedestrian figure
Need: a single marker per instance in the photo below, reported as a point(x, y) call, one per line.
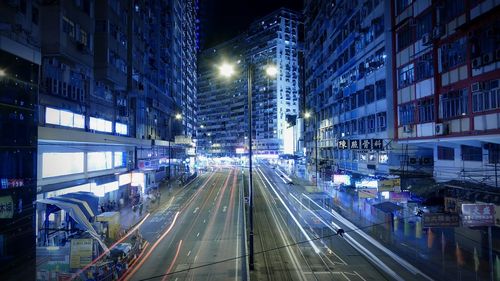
point(340, 232)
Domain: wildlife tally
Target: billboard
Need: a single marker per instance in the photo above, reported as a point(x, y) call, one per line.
point(367, 192)
point(478, 214)
point(440, 220)
point(80, 253)
point(342, 179)
point(182, 139)
point(389, 185)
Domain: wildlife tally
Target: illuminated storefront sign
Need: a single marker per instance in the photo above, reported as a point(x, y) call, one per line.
point(342, 179)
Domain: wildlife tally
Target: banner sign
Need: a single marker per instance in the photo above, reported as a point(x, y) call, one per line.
point(478, 214)
point(367, 192)
point(182, 139)
point(363, 144)
point(440, 220)
point(389, 185)
point(6, 207)
point(81, 253)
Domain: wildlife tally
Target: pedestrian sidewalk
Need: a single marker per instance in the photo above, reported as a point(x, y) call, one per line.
point(129, 217)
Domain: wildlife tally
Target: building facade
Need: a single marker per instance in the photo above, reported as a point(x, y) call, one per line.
point(269, 41)
point(348, 91)
point(446, 87)
point(20, 60)
point(91, 85)
point(222, 102)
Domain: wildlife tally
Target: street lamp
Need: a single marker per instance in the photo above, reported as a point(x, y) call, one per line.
point(2, 73)
point(307, 116)
point(178, 116)
point(226, 70)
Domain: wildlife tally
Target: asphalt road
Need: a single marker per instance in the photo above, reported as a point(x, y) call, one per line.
point(197, 233)
point(356, 256)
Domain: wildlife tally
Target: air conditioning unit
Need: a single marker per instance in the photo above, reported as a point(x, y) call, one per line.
point(477, 62)
point(441, 129)
point(407, 128)
point(426, 39)
point(487, 58)
point(476, 87)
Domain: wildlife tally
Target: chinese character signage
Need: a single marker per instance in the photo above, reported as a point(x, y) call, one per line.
point(342, 144)
point(354, 144)
point(366, 144)
point(377, 144)
point(478, 214)
point(440, 220)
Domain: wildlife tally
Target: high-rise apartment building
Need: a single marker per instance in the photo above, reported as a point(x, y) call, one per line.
point(348, 90)
point(269, 41)
point(446, 73)
point(88, 89)
point(222, 102)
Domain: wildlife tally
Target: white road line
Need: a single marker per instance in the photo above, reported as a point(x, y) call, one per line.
point(198, 234)
point(189, 253)
point(196, 210)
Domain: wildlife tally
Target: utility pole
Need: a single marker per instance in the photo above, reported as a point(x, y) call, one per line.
point(250, 187)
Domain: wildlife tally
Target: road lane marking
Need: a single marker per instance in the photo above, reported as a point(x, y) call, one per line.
point(189, 253)
point(196, 210)
point(165, 277)
point(224, 209)
point(204, 221)
point(198, 234)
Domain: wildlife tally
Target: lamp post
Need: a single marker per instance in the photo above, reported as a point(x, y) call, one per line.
point(227, 70)
point(178, 116)
point(307, 116)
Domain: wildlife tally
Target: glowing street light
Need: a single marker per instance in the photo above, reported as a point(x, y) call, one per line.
point(2, 73)
point(271, 70)
point(178, 116)
point(307, 115)
point(226, 70)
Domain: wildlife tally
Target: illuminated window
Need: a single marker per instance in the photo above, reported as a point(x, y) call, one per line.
point(64, 118)
point(118, 160)
point(97, 161)
point(61, 163)
point(121, 128)
point(101, 125)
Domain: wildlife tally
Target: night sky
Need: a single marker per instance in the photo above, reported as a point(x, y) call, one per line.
point(224, 19)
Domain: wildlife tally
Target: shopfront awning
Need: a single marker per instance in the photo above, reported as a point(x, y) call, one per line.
point(387, 207)
point(79, 210)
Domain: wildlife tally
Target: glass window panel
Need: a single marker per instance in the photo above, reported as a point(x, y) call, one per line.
point(79, 121)
point(66, 118)
point(61, 163)
point(52, 116)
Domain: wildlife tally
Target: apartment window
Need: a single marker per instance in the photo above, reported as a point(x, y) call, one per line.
point(453, 104)
point(69, 27)
point(425, 67)
point(407, 114)
point(35, 15)
point(401, 5)
point(405, 76)
point(371, 124)
point(446, 153)
point(471, 153)
point(426, 110)
point(405, 36)
point(451, 10)
point(381, 121)
point(424, 24)
point(119, 159)
point(453, 54)
point(370, 94)
point(487, 100)
point(362, 125)
point(380, 89)
point(361, 97)
point(493, 153)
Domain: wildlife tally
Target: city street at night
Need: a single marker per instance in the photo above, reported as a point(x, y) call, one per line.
point(307, 140)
